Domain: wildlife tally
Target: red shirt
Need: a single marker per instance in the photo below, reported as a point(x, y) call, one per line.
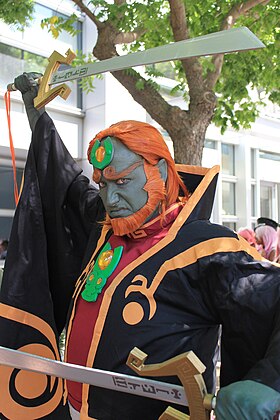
point(87, 312)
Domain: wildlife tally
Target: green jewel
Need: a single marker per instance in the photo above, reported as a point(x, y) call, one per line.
point(102, 155)
point(104, 266)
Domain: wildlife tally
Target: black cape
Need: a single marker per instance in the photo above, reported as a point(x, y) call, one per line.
point(47, 243)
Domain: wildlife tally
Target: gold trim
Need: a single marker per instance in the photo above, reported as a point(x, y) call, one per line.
point(182, 217)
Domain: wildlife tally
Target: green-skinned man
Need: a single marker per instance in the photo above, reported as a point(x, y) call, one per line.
point(158, 275)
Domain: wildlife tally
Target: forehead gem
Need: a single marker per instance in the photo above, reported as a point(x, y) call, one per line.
point(102, 155)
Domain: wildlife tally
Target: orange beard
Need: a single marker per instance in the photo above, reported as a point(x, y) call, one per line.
point(155, 188)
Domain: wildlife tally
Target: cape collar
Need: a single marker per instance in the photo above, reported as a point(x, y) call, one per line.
point(156, 225)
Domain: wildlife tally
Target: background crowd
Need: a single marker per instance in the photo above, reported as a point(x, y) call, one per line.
point(265, 238)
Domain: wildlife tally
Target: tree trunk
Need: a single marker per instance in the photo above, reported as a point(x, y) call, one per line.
point(185, 128)
point(188, 141)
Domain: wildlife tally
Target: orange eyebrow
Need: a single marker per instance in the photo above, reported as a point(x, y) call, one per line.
point(110, 173)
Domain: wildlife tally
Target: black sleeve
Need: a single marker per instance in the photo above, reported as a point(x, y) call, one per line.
point(71, 207)
point(244, 294)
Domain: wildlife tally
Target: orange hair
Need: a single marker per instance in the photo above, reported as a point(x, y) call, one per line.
point(146, 141)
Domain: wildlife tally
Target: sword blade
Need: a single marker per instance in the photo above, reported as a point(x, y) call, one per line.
point(103, 379)
point(232, 40)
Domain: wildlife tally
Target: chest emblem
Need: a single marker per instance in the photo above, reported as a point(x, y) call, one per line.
point(104, 266)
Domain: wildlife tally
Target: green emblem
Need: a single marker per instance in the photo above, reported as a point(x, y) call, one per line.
point(102, 269)
point(102, 155)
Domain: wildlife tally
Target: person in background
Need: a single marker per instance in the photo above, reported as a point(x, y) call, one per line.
point(266, 236)
point(3, 249)
point(248, 234)
point(277, 259)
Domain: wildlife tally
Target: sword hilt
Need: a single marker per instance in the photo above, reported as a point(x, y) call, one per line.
point(189, 370)
point(45, 93)
point(12, 88)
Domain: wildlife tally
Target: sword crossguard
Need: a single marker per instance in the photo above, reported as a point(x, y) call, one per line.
point(47, 94)
point(189, 369)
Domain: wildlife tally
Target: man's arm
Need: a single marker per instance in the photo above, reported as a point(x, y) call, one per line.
point(244, 294)
point(66, 197)
point(28, 86)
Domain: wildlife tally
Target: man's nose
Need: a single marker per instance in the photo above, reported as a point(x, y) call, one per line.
point(112, 195)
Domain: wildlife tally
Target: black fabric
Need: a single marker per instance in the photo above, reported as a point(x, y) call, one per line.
point(48, 240)
point(191, 181)
point(55, 231)
point(68, 216)
point(231, 289)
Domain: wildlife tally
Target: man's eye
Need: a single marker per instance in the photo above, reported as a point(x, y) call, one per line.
point(122, 181)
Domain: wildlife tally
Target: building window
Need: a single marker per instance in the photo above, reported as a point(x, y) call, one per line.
point(266, 194)
point(228, 193)
point(253, 201)
point(5, 226)
point(230, 225)
point(268, 155)
point(229, 180)
point(228, 159)
point(7, 200)
point(210, 144)
point(16, 60)
point(253, 163)
point(278, 202)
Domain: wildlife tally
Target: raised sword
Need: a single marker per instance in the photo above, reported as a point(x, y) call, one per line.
point(227, 41)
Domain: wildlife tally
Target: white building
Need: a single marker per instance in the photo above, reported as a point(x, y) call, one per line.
point(249, 185)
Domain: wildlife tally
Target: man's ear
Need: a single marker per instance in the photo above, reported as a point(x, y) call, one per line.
point(162, 166)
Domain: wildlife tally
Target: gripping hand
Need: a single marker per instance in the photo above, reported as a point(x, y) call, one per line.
point(248, 400)
point(27, 84)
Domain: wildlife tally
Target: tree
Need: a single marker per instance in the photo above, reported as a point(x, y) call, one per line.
point(215, 88)
point(16, 13)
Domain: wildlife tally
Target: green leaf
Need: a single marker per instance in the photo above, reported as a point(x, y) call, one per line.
point(17, 13)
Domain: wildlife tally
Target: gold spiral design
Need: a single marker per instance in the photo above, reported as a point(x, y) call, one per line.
point(22, 392)
point(27, 395)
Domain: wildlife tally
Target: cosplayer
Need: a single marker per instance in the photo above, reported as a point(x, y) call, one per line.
point(158, 275)
point(267, 237)
point(249, 235)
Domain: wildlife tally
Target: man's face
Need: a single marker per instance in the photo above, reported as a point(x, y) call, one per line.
point(124, 195)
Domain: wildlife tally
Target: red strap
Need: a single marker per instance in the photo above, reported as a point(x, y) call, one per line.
point(8, 110)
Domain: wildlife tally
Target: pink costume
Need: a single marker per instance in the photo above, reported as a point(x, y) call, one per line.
point(268, 235)
point(248, 234)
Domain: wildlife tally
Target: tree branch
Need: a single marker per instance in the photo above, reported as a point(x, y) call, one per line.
point(191, 66)
point(88, 12)
point(128, 37)
point(213, 76)
point(240, 10)
point(178, 20)
point(229, 21)
point(148, 97)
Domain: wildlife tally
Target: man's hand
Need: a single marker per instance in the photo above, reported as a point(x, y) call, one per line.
point(27, 84)
point(247, 400)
